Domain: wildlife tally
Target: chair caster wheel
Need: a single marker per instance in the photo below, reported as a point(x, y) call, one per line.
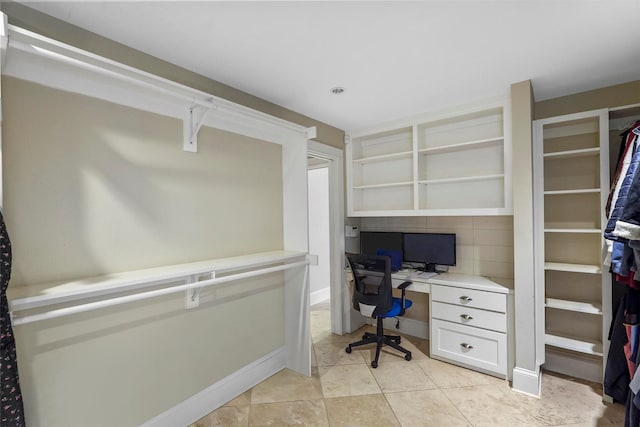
point(348, 349)
point(407, 357)
point(374, 364)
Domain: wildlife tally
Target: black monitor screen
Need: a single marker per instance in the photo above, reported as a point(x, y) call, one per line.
point(430, 248)
point(372, 241)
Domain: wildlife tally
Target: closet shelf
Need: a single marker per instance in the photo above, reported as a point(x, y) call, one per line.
point(570, 154)
point(573, 230)
point(391, 184)
point(580, 307)
point(461, 146)
point(573, 344)
point(461, 179)
point(384, 157)
point(573, 268)
point(575, 191)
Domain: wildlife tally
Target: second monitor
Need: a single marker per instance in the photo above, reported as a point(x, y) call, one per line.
point(430, 249)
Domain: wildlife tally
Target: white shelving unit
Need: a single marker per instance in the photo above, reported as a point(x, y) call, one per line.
point(452, 163)
point(571, 182)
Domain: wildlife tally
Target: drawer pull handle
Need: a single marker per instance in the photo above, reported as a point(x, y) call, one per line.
point(466, 298)
point(466, 317)
point(466, 346)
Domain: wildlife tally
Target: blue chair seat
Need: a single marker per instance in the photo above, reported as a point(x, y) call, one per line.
point(397, 307)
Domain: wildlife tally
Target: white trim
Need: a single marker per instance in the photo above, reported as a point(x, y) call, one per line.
point(340, 298)
point(4, 30)
point(117, 300)
point(527, 382)
point(321, 295)
point(221, 392)
point(538, 242)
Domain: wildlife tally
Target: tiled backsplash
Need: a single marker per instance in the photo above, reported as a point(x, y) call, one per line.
point(484, 244)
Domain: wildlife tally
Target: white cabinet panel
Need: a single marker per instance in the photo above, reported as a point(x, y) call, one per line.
point(465, 344)
point(470, 298)
point(470, 316)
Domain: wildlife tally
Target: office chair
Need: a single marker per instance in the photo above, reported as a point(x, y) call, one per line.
point(372, 297)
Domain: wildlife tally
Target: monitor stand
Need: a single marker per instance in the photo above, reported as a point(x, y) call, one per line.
point(429, 267)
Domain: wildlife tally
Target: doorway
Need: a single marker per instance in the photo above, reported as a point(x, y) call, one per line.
point(319, 237)
point(333, 159)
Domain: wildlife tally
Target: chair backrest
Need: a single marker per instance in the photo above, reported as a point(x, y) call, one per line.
point(372, 291)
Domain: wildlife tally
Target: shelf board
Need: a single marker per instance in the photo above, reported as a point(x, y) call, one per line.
point(573, 230)
point(384, 157)
point(573, 268)
point(462, 179)
point(573, 344)
point(391, 184)
point(580, 191)
point(583, 152)
point(461, 146)
point(580, 307)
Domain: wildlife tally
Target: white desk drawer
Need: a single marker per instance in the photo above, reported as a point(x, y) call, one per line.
point(468, 345)
point(469, 316)
point(469, 298)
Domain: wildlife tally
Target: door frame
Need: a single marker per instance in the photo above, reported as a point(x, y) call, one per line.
point(340, 313)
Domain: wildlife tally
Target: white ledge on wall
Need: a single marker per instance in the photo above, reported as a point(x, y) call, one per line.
point(36, 58)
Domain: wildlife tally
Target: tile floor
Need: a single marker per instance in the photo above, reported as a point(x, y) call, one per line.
point(345, 391)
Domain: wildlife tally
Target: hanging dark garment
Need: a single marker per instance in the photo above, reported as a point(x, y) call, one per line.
point(616, 375)
point(11, 408)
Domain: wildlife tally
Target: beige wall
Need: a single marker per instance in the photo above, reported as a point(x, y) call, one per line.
point(484, 247)
point(607, 97)
point(38, 22)
point(91, 188)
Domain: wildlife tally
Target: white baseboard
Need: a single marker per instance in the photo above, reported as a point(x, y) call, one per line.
point(589, 369)
point(526, 382)
point(216, 395)
point(321, 295)
point(415, 328)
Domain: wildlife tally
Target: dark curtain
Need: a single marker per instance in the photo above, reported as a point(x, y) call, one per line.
point(11, 408)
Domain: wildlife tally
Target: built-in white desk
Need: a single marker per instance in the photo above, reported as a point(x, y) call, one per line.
point(470, 319)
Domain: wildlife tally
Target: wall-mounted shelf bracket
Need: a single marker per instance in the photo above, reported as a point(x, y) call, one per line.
point(192, 123)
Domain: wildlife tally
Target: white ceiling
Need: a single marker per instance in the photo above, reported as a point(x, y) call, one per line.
point(395, 59)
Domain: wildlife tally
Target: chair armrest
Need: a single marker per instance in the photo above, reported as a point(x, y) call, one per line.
point(403, 287)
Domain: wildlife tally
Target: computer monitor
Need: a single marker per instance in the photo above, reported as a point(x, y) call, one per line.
point(430, 249)
point(383, 243)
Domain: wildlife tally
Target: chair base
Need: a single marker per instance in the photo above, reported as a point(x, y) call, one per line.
point(380, 339)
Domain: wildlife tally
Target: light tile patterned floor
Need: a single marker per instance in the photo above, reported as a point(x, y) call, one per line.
point(345, 391)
